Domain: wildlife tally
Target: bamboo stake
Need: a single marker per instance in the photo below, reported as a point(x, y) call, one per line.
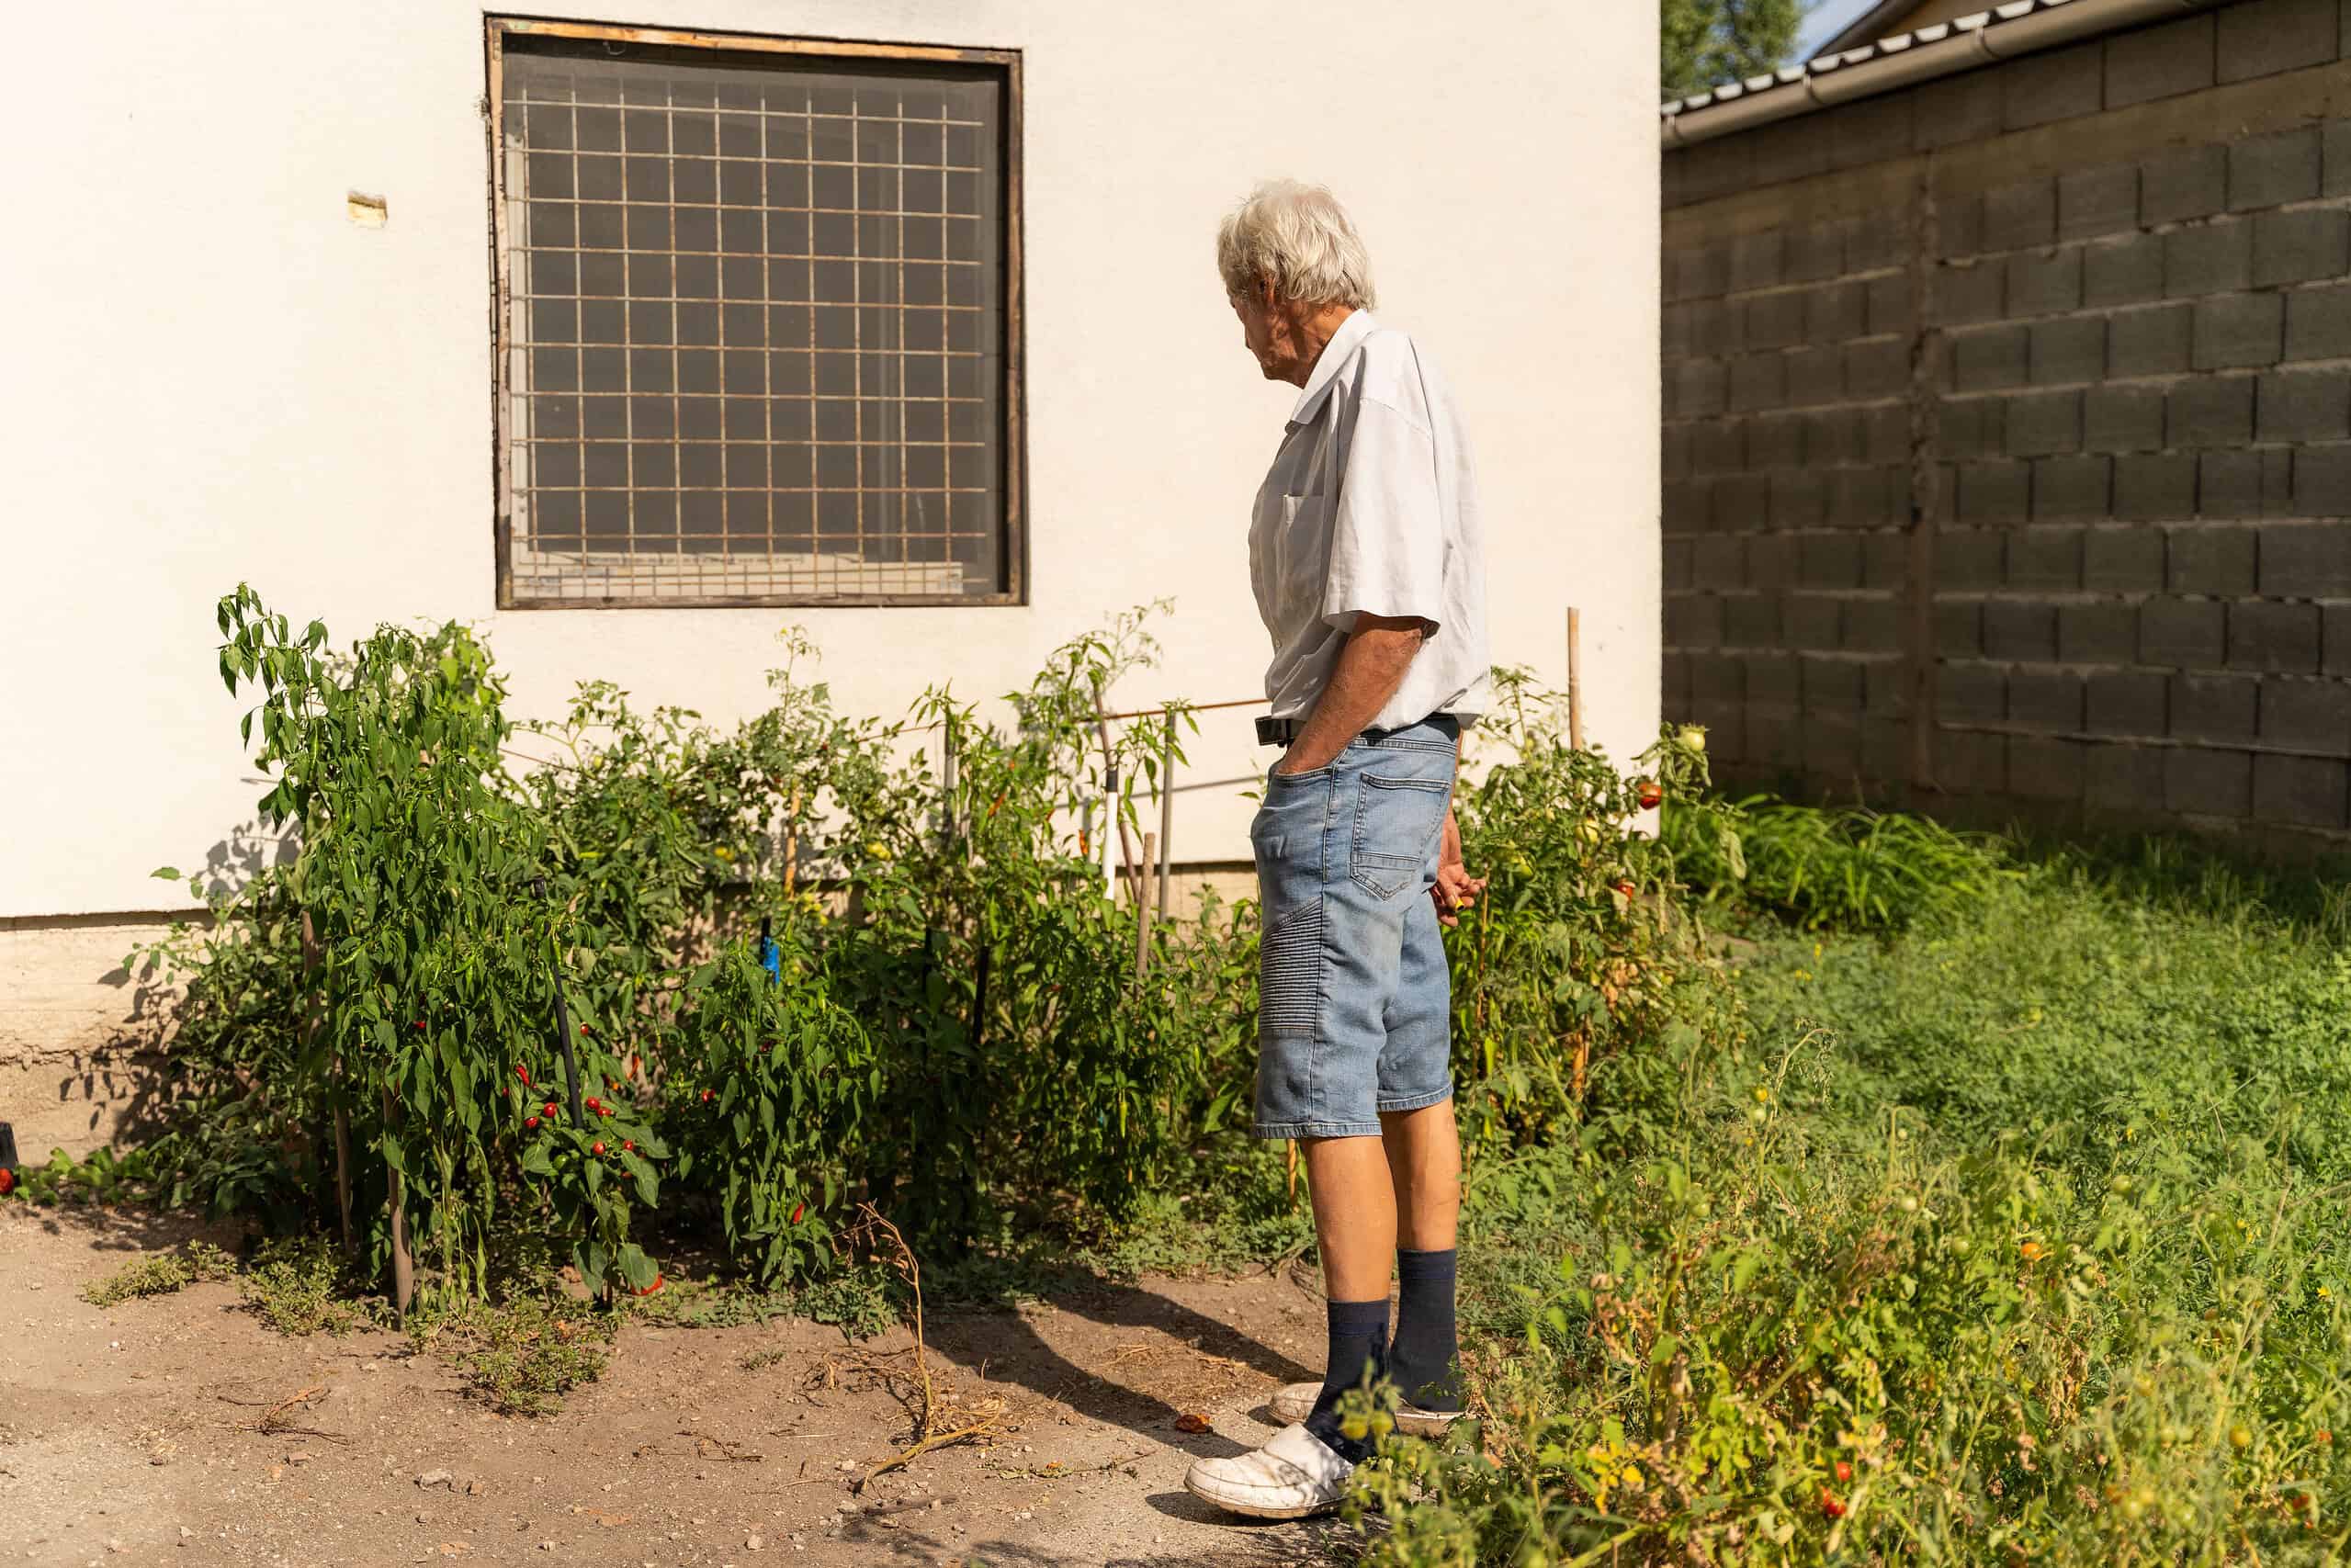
point(792, 841)
point(1574, 679)
point(1167, 810)
point(1143, 916)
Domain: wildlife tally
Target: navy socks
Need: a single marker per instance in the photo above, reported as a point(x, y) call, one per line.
point(1359, 1335)
point(1424, 1359)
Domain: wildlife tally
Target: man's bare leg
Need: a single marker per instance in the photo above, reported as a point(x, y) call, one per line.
point(1356, 1215)
point(1355, 1228)
point(1423, 1151)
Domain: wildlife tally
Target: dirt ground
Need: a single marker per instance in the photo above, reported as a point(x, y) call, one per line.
point(130, 1434)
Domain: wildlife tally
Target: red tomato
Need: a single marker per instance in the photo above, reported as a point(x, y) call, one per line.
point(548, 1109)
point(599, 1147)
point(627, 1147)
point(531, 1122)
point(1650, 795)
point(7, 1182)
point(1831, 1504)
point(1844, 1471)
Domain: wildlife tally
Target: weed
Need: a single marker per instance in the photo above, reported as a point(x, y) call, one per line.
point(297, 1287)
point(157, 1275)
point(521, 1356)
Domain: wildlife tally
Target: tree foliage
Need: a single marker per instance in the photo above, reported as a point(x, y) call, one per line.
point(1702, 42)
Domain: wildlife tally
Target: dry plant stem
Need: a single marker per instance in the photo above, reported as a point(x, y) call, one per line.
point(872, 1226)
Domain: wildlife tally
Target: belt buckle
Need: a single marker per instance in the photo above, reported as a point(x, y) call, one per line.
point(1269, 730)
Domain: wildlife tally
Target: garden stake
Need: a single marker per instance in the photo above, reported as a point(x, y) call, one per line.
point(1167, 810)
point(1110, 785)
point(792, 841)
point(1143, 916)
point(1574, 679)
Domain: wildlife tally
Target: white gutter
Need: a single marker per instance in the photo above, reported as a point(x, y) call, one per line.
point(2018, 27)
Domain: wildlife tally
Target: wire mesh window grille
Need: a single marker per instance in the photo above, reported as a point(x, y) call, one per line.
point(755, 316)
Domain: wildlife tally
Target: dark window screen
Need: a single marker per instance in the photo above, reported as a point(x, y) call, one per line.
point(755, 318)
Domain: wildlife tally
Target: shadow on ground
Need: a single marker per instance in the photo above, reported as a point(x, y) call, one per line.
point(1031, 1363)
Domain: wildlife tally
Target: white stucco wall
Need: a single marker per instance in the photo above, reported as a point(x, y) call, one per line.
point(216, 376)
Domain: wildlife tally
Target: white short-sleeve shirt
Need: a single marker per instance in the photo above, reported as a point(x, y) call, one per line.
point(1370, 508)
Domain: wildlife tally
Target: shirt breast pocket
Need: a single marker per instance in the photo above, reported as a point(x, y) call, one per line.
point(1302, 547)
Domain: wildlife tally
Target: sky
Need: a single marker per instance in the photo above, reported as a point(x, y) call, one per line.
point(1826, 18)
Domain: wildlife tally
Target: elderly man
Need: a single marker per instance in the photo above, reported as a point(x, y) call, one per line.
point(1366, 555)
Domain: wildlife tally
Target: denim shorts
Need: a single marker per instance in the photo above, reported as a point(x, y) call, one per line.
point(1354, 995)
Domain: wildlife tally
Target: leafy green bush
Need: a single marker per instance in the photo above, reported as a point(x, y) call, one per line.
point(1575, 951)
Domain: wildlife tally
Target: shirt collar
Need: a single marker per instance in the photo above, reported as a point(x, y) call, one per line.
point(1335, 353)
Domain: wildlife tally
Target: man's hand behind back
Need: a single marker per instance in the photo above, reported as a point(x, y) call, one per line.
point(1456, 890)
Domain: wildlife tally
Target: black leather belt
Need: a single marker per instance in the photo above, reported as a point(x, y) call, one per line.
point(1271, 732)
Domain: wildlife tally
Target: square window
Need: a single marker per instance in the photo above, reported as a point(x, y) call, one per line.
point(746, 323)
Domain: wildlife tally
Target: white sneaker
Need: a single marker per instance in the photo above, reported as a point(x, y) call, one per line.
point(1291, 1476)
point(1295, 1401)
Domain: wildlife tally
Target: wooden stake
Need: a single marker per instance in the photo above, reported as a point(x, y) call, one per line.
point(403, 1262)
point(792, 841)
point(1290, 1160)
point(1143, 916)
point(1167, 810)
point(1574, 677)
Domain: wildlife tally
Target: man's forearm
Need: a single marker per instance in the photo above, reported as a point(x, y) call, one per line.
point(1371, 667)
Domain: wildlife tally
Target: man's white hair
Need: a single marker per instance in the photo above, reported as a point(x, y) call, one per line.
point(1297, 237)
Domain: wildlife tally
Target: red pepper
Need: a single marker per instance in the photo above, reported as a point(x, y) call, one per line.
point(798, 1209)
point(524, 1074)
point(7, 1182)
point(547, 1111)
point(598, 1147)
point(648, 1289)
point(531, 1122)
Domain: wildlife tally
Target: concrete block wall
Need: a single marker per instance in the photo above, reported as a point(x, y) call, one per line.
point(2007, 432)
